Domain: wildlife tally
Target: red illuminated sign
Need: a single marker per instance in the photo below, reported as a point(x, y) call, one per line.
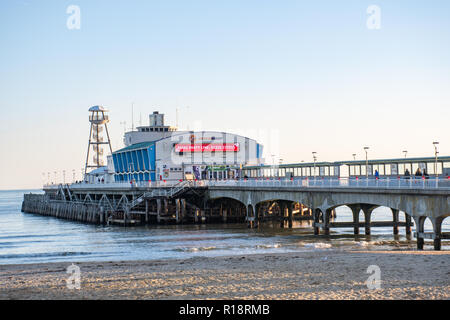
point(207, 147)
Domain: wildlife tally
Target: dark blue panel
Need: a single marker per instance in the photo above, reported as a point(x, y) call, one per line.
point(129, 162)
point(124, 162)
point(135, 166)
point(141, 177)
point(146, 176)
point(153, 176)
point(141, 159)
point(146, 161)
point(116, 163)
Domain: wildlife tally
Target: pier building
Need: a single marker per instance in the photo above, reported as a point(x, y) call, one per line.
point(162, 153)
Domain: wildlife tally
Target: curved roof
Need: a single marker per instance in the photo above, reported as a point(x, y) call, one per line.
point(98, 108)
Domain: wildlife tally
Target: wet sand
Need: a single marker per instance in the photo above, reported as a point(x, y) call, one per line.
point(324, 274)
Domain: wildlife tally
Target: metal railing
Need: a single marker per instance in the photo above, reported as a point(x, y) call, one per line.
point(319, 182)
point(371, 183)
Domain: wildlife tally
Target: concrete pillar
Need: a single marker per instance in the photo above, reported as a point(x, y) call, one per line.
point(408, 224)
point(146, 211)
point(177, 210)
point(420, 222)
point(395, 213)
point(166, 206)
point(326, 221)
point(183, 209)
point(224, 214)
point(283, 214)
point(316, 219)
point(290, 215)
point(367, 215)
point(356, 209)
point(196, 215)
point(158, 210)
point(437, 228)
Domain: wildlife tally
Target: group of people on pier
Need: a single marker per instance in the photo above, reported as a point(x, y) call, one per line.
point(418, 173)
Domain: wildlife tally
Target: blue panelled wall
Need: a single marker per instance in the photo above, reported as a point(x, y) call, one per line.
point(136, 162)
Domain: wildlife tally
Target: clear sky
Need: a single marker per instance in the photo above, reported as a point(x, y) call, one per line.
point(310, 71)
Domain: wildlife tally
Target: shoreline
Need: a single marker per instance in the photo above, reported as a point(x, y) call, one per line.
point(322, 274)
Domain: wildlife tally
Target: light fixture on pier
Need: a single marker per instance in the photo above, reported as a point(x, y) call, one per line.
point(405, 152)
point(354, 156)
point(367, 162)
point(314, 158)
point(435, 143)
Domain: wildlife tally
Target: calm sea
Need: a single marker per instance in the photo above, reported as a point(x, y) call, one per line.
point(30, 238)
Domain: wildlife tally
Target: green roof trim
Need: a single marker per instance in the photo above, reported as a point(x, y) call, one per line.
point(137, 146)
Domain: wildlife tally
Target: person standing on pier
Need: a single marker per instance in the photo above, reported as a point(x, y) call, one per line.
point(418, 173)
point(407, 174)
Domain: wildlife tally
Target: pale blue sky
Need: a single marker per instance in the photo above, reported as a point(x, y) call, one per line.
point(310, 70)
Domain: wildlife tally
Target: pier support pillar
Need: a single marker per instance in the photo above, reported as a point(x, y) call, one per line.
point(395, 214)
point(177, 210)
point(158, 210)
point(326, 222)
point(316, 214)
point(183, 209)
point(256, 214)
point(355, 212)
point(408, 224)
point(251, 216)
point(367, 209)
point(282, 213)
point(224, 215)
point(196, 214)
point(146, 211)
point(290, 215)
point(420, 228)
point(437, 228)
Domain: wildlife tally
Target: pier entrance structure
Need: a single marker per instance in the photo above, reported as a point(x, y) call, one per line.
point(161, 153)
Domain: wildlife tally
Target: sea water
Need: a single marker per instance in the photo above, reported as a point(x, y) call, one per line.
point(31, 238)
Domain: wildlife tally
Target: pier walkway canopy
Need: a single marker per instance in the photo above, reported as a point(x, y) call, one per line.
point(387, 168)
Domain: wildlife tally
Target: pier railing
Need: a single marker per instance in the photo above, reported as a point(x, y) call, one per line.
point(411, 183)
point(319, 182)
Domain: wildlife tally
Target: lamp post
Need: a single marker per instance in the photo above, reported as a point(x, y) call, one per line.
point(367, 162)
point(273, 164)
point(405, 152)
point(314, 159)
point(436, 158)
point(354, 156)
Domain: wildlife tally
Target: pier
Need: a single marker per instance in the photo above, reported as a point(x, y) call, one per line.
point(255, 201)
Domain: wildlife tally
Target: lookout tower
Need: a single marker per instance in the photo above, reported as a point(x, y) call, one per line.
point(98, 119)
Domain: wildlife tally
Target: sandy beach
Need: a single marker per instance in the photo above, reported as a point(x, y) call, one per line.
point(327, 274)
